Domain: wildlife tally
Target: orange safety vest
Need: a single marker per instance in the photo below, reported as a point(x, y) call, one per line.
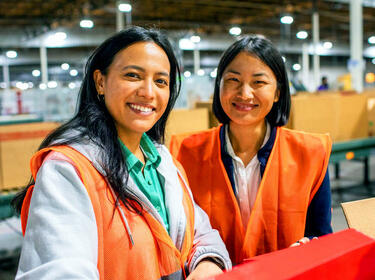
point(153, 255)
point(294, 172)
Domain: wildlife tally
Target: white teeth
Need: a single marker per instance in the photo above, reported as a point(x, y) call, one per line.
point(140, 108)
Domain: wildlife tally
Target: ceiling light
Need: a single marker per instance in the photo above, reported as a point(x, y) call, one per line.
point(373, 61)
point(30, 84)
point(73, 72)
point(52, 84)
point(296, 67)
point(35, 73)
point(200, 72)
point(186, 44)
point(371, 40)
point(72, 85)
point(65, 66)
point(86, 23)
point(56, 39)
point(302, 35)
point(286, 20)
point(284, 59)
point(187, 74)
point(195, 39)
point(327, 45)
point(125, 7)
point(11, 54)
point(235, 31)
point(42, 86)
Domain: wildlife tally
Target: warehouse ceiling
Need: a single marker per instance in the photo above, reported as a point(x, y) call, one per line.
point(202, 16)
point(24, 22)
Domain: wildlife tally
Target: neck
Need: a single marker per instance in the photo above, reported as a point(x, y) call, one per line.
point(247, 140)
point(132, 142)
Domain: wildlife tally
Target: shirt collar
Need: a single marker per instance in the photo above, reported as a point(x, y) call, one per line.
point(228, 144)
point(151, 154)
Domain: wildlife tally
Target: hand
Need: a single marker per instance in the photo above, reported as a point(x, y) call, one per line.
point(303, 240)
point(205, 269)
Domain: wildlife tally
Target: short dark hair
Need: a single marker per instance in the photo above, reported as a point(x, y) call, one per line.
point(93, 121)
point(263, 49)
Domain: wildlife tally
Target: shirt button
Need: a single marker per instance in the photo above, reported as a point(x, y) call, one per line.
point(149, 182)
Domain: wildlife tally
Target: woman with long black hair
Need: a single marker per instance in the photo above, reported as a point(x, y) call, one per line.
point(107, 200)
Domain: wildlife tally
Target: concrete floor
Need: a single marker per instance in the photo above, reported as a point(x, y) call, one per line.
point(348, 188)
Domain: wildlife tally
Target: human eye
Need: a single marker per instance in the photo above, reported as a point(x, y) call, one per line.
point(260, 82)
point(161, 81)
point(132, 75)
point(232, 79)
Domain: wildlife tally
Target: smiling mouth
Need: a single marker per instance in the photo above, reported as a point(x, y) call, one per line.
point(245, 106)
point(141, 108)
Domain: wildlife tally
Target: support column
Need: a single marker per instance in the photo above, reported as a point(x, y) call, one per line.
point(6, 75)
point(196, 60)
point(119, 19)
point(316, 61)
point(305, 65)
point(356, 63)
point(43, 64)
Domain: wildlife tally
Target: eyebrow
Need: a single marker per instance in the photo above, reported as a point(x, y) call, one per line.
point(260, 74)
point(136, 67)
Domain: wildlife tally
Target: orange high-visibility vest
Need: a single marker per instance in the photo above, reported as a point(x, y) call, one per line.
point(153, 255)
point(294, 172)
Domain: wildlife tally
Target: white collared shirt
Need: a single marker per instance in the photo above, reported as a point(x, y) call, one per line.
point(246, 179)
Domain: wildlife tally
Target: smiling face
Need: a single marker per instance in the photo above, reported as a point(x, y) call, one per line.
point(248, 90)
point(136, 87)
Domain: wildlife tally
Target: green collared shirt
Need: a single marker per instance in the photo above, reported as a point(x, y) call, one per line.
point(150, 182)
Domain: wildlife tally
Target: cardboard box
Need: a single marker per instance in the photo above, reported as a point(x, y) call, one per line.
point(343, 116)
point(359, 215)
point(370, 93)
point(186, 120)
point(18, 143)
point(208, 104)
point(345, 255)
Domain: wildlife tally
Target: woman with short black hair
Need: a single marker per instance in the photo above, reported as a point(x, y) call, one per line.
point(263, 186)
point(107, 200)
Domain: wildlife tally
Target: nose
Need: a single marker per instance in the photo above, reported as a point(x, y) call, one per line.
point(147, 89)
point(246, 91)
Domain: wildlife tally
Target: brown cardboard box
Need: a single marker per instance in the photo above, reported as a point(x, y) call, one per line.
point(370, 93)
point(359, 215)
point(208, 104)
point(344, 117)
point(18, 143)
point(186, 120)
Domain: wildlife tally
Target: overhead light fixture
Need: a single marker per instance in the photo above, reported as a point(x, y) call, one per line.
point(371, 40)
point(235, 31)
point(56, 39)
point(195, 39)
point(284, 59)
point(86, 23)
point(72, 85)
point(43, 86)
point(286, 20)
point(73, 72)
point(186, 44)
point(187, 74)
point(52, 84)
point(327, 45)
point(296, 67)
point(302, 35)
point(124, 7)
point(22, 86)
point(11, 54)
point(373, 61)
point(35, 73)
point(200, 72)
point(65, 66)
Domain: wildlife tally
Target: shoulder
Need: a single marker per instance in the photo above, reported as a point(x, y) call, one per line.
point(306, 140)
point(201, 138)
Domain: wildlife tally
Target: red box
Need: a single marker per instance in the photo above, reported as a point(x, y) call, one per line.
point(344, 255)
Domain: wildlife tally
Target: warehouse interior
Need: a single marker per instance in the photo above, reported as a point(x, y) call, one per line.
point(45, 44)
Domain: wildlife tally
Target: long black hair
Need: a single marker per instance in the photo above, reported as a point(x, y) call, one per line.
point(93, 120)
point(263, 49)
